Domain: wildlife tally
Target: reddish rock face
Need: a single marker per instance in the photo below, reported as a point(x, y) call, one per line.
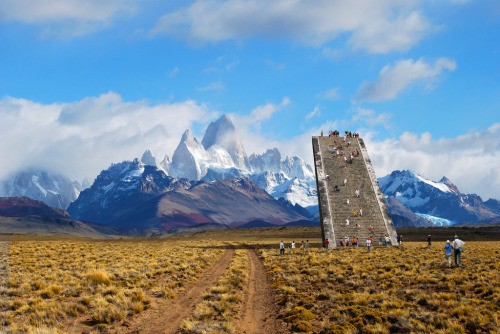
point(24, 206)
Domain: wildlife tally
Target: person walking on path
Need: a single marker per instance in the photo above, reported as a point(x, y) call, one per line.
point(447, 253)
point(282, 248)
point(457, 248)
point(429, 241)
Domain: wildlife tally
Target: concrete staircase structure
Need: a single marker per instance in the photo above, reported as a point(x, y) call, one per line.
point(333, 208)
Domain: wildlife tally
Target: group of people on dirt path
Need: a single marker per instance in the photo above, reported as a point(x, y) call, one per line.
point(304, 247)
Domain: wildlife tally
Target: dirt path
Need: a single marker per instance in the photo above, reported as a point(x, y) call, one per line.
point(258, 314)
point(167, 317)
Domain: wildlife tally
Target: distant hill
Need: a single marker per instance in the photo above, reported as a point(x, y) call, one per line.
point(22, 215)
point(25, 206)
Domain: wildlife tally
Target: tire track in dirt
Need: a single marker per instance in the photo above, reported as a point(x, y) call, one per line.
point(168, 316)
point(258, 313)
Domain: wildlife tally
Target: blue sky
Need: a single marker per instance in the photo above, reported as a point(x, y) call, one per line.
point(87, 83)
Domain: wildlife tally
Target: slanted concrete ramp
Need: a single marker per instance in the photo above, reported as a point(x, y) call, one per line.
point(331, 171)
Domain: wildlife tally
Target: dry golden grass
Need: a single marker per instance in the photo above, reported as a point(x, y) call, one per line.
point(220, 305)
point(391, 290)
point(5, 316)
point(53, 282)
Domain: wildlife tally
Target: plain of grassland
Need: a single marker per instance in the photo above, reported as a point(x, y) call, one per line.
point(4, 280)
point(81, 285)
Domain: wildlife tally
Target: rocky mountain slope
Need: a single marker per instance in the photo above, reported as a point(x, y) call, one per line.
point(221, 155)
point(137, 196)
point(440, 202)
point(54, 190)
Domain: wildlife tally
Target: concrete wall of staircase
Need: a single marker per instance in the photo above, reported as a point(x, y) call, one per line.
point(333, 206)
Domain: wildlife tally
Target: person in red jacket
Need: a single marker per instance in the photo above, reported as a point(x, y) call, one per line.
point(327, 243)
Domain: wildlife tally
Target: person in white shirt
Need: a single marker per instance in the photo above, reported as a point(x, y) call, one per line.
point(457, 249)
point(369, 243)
point(282, 248)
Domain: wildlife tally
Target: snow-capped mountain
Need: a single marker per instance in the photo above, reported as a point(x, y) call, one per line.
point(137, 196)
point(221, 156)
point(54, 190)
point(440, 202)
point(122, 186)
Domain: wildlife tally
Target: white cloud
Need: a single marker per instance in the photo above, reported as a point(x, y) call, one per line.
point(66, 18)
point(470, 161)
point(331, 94)
point(380, 35)
point(216, 86)
point(80, 139)
point(314, 112)
point(394, 79)
point(261, 113)
point(376, 26)
point(174, 72)
point(370, 117)
point(334, 54)
point(274, 65)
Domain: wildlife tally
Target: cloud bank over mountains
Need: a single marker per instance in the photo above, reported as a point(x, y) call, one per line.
point(81, 138)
